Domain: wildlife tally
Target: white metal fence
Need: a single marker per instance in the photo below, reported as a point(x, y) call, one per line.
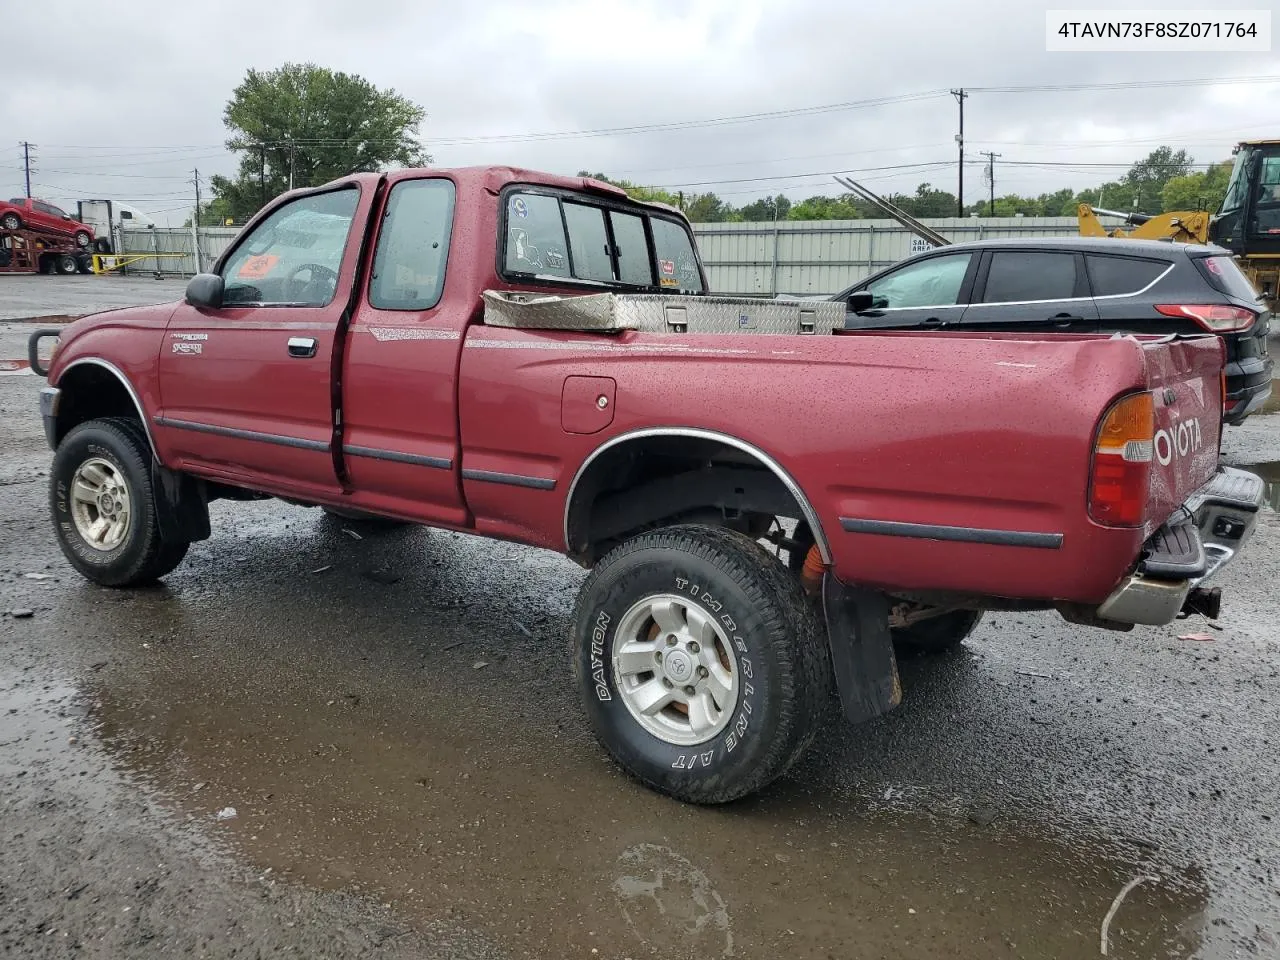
point(213, 240)
point(801, 258)
point(788, 258)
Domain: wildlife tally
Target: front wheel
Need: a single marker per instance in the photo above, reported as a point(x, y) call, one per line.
point(104, 511)
point(83, 239)
point(700, 664)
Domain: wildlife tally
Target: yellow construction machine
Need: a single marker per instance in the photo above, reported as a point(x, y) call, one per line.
point(1247, 224)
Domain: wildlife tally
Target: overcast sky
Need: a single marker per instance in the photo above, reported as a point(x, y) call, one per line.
point(123, 101)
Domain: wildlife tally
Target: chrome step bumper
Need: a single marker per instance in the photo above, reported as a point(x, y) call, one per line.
point(1199, 540)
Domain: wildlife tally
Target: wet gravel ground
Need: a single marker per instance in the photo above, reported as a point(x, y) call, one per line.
point(393, 721)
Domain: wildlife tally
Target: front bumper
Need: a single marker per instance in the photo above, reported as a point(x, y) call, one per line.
point(1199, 540)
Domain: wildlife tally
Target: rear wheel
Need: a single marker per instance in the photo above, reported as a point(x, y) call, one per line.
point(11, 221)
point(103, 508)
point(66, 263)
point(700, 663)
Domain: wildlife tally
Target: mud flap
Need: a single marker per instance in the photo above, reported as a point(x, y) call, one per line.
point(861, 650)
point(182, 506)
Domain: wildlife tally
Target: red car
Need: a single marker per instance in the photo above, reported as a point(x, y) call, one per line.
point(26, 213)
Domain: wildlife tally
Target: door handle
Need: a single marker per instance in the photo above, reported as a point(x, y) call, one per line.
point(302, 346)
point(1062, 319)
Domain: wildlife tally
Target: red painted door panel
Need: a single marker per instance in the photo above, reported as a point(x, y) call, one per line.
point(246, 389)
point(400, 421)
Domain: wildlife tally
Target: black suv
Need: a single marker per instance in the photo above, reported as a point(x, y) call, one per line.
point(1079, 285)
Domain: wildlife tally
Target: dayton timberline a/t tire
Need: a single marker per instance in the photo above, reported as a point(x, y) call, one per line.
point(103, 468)
point(731, 641)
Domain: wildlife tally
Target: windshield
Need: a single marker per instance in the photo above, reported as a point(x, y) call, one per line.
point(1236, 186)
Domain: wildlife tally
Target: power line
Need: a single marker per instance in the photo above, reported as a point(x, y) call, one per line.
point(1128, 84)
point(960, 96)
point(797, 176)
point(26, 165)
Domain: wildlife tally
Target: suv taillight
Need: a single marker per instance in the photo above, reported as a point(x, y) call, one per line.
point(1214, 317)
point(1122, 454)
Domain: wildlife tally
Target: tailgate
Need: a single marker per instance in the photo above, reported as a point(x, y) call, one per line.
point(1185, 377)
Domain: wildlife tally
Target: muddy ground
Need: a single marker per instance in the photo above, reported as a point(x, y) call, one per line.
point(392, 720)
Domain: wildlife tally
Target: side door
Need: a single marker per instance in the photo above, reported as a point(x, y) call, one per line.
point(246, 388)
point(400, 386)
point(45, 216)
point(1047, 289)
point(928, 292)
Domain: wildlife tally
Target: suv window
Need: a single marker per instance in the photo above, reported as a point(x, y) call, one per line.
point(413, 247)
point(1117, 276)
point(934, 282)
point(1017, 275)
point(293, 256)
point(571, 237)
point(46, 208)
point(1226, 277)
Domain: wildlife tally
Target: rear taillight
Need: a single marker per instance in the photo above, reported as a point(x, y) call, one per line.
point(1214, 317)
point(1122, 453)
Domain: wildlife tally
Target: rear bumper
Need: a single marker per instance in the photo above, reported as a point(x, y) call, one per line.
point(1198, 541)
point(1248, 387)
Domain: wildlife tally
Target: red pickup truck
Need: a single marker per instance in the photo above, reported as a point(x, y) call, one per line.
point(767, 503)
point(27, 213)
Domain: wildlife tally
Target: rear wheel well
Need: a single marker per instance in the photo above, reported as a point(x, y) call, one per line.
point(657, 481)
point(91, 392)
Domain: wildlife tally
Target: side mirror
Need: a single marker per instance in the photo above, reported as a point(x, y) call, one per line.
point(205, 290)
point(860, 300)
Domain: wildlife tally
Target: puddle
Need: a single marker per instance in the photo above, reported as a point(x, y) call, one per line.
point(453, 809)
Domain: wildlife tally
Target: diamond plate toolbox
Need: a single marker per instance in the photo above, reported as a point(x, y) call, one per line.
point(661, 313)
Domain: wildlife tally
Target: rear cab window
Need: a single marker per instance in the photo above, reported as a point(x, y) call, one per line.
point(413, 245)
point(551, 235)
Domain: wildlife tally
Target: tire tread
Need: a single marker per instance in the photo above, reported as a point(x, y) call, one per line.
point(792, 630)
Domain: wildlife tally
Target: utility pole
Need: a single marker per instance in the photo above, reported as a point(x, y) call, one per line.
point(290, 164)
point(26, 165)
point(195, 224)
point(991, 176)
point(262, 176)
point(960, 96)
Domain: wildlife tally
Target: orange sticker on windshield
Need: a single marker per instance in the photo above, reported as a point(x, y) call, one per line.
point(255, 268)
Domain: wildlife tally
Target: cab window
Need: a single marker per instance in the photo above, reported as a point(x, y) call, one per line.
point(293, 257)
point(934, 282)
point(548, 236)
point(413, 247)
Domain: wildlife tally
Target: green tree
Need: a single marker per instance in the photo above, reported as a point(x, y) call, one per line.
point(1197, 191)
point(316, 125)
point(843, 207)
point(1147, 177)
point(708, 208)
point(766, 209)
